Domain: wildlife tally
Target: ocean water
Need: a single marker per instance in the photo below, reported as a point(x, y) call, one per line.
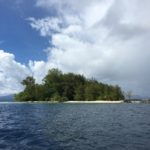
point(74, 127)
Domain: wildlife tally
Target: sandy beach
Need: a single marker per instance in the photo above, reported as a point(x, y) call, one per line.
point(97, 102)
point(67, 102)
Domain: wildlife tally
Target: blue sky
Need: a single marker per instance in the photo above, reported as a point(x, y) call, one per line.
point(16, 35)
point(104, 39)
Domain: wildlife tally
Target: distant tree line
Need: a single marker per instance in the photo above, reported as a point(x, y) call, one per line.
point(58, 86)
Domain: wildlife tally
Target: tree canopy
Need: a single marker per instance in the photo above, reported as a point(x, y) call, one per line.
point(58, 86)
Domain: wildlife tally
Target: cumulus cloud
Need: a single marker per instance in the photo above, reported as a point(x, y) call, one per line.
point(39, 69)
point(105, 39)
point(11, 74)
point(46, 26)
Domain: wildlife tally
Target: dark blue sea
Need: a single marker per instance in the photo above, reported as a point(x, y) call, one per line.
point(74, 127)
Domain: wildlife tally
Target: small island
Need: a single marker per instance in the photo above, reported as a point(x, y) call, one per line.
point(64, 87)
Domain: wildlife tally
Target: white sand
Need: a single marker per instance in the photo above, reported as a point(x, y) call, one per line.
point(68, 102)
point(97, 102)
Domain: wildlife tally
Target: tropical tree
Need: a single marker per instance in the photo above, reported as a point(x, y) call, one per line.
point(57, 86)
point(29, 91)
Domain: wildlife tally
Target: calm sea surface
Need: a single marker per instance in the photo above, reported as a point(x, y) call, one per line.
point(74, 127)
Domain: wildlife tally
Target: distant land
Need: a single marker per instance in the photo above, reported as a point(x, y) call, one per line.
point(61, 87)
point(8, 98)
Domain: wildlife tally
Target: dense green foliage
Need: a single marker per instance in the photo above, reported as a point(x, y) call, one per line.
point(57, 86)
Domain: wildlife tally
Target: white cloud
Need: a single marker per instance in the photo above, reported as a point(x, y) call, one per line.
point(105, 39)
point(38, 69)
point(100, 38)
point(11, 74)
point(46, 25)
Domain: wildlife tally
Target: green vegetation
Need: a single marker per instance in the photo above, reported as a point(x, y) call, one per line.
point(58, 86)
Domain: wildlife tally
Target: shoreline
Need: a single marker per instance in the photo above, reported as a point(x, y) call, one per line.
point(94, 102)
point(78, 102)
point(66, 102)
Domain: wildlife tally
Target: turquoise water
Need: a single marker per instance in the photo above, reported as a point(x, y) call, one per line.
point(74, 127)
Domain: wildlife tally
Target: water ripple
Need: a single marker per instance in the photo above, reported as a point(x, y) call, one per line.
point(74, 127)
